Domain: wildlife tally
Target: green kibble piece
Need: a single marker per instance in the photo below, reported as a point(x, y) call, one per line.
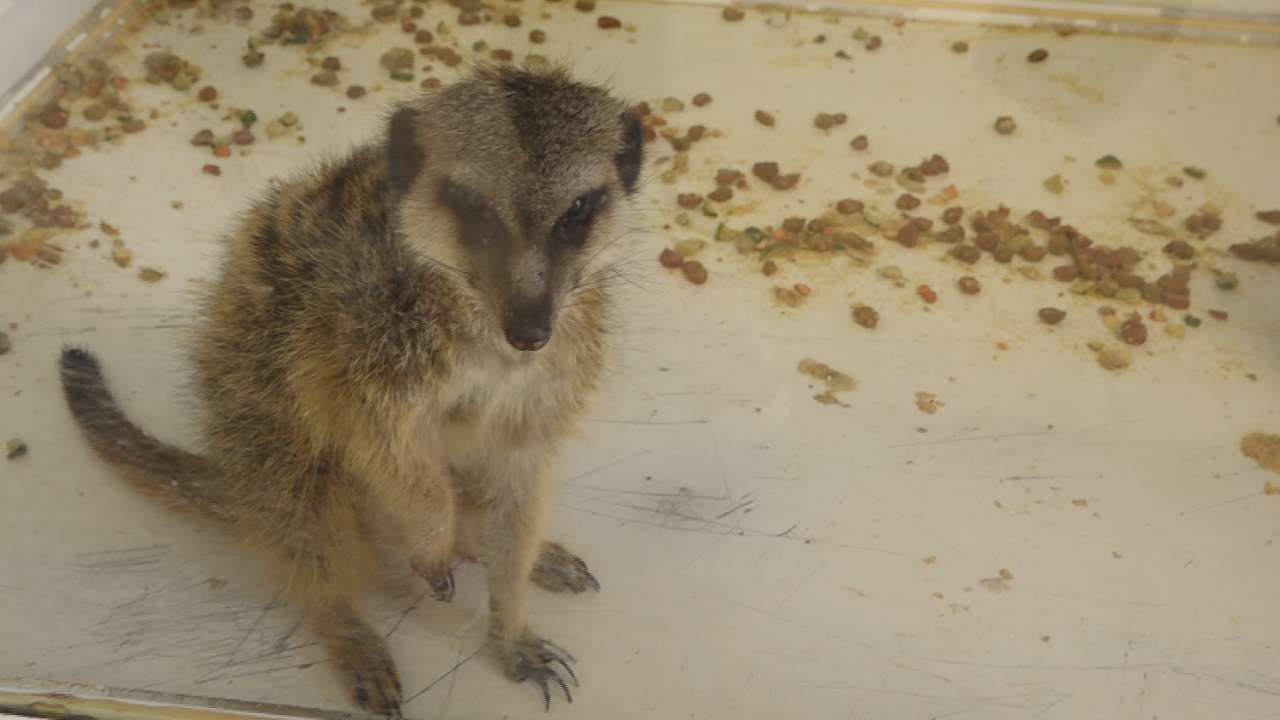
point(1110, 162)
point(15, 449)
point(1083, 287)
point(1227, 281)
point(689, 248)
point(479, 45)
point(843, 55)
point(401, 75)
point(150, 275)
point(248, 118)
point(288, 119)
point(1129, 295)
point(1195, 172)
point(672, 105)
point(1191, 321)
point(1055, 185)
point(1019, 242)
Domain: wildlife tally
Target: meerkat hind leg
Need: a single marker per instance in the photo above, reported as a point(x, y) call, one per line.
point(361, 655)
point(559, 570)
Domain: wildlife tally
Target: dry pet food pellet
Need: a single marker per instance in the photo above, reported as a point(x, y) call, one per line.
point(848, 206)
point(670, 258)
point(608, 22)
point(860, 143)
point(1133, 332)
point(1005, 125)
point(1051, 316)
point(701, 100)
point(695, 272)
point(969, 285)
point(765, 118)
point(766, 171)
point(689, 201)
point(732, 14)
point(866, 316)
point(1038, 55)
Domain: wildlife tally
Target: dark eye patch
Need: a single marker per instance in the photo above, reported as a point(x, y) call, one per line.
point(479, 224)
point(571, 229)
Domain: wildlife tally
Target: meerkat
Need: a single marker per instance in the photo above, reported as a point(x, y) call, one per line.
point(396, 344)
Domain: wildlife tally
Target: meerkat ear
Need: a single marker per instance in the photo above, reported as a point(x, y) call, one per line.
point(631, 154)
point(404, 153)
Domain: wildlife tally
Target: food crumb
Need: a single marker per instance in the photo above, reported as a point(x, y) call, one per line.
point(732, 14)
point(671, 258)
point(866, 316)
point(835, 380)
point(701, 100)
point(1038, 55)
point(151, 275)
point(694, 272)
point(1262, 448)
point(969, 285)
point(928, 403)
point(1051, 315)
point(15, 449)
point(5, 343)
point(1005, 125)
point(765, 118)
point(959, 46)
point(211, 169)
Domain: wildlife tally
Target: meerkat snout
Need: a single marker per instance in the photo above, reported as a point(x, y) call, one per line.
point(527, 324)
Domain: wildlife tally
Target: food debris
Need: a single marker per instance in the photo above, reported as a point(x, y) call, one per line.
point(1055, 184)
point(1051, 315)
point(1192, 171)
point(151, 275)
point(1038, 55)
point(1262, 448)
point(1271, 217)
point(959, 46)
point(969, 285)
point(15, 449)
point(765, 118)
point(5, 343)
point(1111, 358)
point(1005, 125)
point(866, 316)
point(694, 272)
point(1109, 162)
point(608, 22)
point(732, 14)
point(928, 403)
point(835, 380)
point(998, 584)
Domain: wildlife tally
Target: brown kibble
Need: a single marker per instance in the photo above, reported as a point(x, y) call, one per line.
point(1033, 253)
point(609, 22)
point(1005, 125)
point(765, 118)
point(689, 201)
point(537, 37)
point(423, 37)
point(860, 143)
point(1051, 316)
point(793, 224)
point(585, 5)
point(242, 137)
point(769, 268)
point(927, 294)
point(470, 17)
point(243, 13)
point(959, 46)
point(826, 121)
point(208, 93)
point(408, 26)
point(881, 168)
point(1038, 55)
point(724, 193)
point(356, 91)
point(396, 59)
point(908, 236)
point(966, 253)
point(785, 182)
point(94, 112)
point(204, 137)
point(696, 132)
point(695, 272)
point(907, 201)
point(848, 206)
point(211, 170)
point(969, 285)
point(670, 258)
point(725, 176)
point(873, 43)
point(1218, 314)
point(133, 125)
point(866, 316)
point(430, 83)
point(803, 290)
point(54, 117)
point(1065, 273)
point(952, 215)
point(326, 78)
point(331, 63)
point(732, 14)
point(1177, 301)
point(701, 100)
point(766, 171)
point(1271, 217)
point(1133, 332)
point(511, 20)
point(1180, 249)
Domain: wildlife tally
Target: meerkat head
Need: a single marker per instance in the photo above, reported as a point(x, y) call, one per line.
point(513, 178)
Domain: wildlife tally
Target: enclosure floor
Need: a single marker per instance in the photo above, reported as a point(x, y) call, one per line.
point(1056, 541)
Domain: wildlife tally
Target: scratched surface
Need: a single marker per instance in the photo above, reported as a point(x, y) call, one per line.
point(1056, 541)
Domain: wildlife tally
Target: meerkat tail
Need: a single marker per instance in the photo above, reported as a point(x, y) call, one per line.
point(154, 465)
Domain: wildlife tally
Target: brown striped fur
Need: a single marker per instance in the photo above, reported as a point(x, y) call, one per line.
point(374, 362)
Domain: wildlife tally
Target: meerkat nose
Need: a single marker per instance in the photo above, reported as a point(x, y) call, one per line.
point(528, 323)
point(527, 345)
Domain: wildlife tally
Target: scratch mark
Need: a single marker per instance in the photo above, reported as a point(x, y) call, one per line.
point(799, 585)
point(128, 560)
point(448, 673)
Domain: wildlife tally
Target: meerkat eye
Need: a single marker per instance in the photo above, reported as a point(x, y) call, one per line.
point(571, 229)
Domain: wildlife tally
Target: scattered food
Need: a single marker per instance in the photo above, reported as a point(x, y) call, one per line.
point(969, 285)
point(765, 118)
point(1262, 448)
point(1051, 315)
point(1005, 125)
point(1038, 55)
point(15, 449)
point(928, 403)
point(866, 316)
point(695, 272)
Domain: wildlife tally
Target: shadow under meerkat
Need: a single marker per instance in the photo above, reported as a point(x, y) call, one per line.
point(396, 344)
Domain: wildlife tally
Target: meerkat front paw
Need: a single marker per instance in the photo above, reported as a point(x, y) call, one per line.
point(439, 575)
point(536, 659)
point(559, 570)
point(371, 675)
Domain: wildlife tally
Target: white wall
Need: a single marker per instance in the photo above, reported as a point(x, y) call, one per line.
point(29, 28)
